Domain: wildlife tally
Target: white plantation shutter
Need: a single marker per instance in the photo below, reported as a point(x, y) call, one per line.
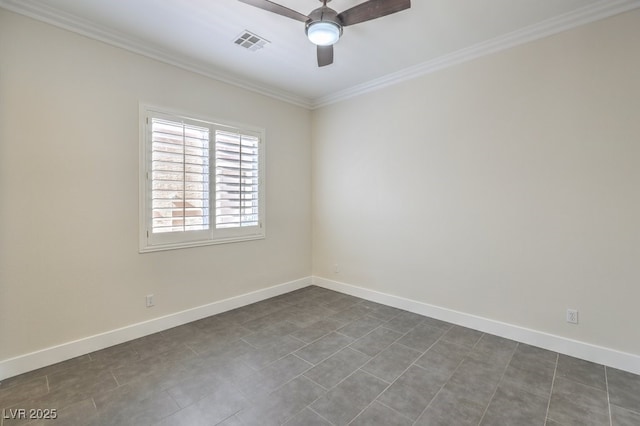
point(200, 182)
point(179, 177)
point(237, 180)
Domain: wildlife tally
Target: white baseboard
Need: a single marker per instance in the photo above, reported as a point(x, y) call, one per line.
point(598, 354)
point(48, 356)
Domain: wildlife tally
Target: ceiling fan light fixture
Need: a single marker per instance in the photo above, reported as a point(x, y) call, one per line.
point(323, 33)
point(323, 25)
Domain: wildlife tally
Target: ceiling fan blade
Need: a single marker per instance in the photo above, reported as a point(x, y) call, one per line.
point(276, 8)
point(325, 55)
point(372, 9)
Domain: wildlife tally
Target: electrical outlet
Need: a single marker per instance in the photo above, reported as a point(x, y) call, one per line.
point(572, 316)
point(150, 302)
point(336, 268)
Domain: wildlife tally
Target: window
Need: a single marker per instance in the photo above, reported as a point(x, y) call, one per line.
point(201, 181)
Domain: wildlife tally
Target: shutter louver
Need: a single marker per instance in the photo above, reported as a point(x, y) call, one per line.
point(179, 177)
point(237, 180)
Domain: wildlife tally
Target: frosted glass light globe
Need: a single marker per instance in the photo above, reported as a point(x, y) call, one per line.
point(323, 33)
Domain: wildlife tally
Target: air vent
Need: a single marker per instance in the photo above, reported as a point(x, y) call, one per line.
point(250, 41)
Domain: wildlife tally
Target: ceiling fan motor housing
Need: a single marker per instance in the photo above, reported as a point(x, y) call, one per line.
point(325, 16)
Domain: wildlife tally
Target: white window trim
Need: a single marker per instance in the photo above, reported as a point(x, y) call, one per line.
point(194, 238)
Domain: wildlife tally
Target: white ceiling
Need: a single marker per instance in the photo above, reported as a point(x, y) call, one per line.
point(199, 34)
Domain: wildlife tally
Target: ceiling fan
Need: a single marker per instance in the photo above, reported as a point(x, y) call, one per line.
point(323, 25)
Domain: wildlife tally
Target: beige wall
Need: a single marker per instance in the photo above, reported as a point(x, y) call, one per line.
point(69, 261)
point(507, 187)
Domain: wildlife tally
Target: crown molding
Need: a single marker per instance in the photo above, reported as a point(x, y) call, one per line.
point(594, 12)
point(45, 13)
point(597, 11)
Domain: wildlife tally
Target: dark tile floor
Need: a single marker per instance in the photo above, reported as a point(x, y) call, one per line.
point(317, 357)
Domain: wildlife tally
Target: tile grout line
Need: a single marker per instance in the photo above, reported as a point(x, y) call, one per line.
point(319, 362)
point(314, 382)
point(190, 349)
point(349, 347)
point(442, 387)
point(308, 405)
point(336, 385)
point(452, 373)
point(385, 348)
point(314, 341)
point(360, 352)
point(194, 351)
point(114, 378)
point(304, 360)
point(380, 393)
point(606, 384)
point(584, 384)
point(318, 414)
point(393, 409)
point(293, 378)
point(400, 375)
point(345, 378)
point(302, 341)
point(166, 392)
point(504, 371)
point(253, 346)
point(553, 381)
